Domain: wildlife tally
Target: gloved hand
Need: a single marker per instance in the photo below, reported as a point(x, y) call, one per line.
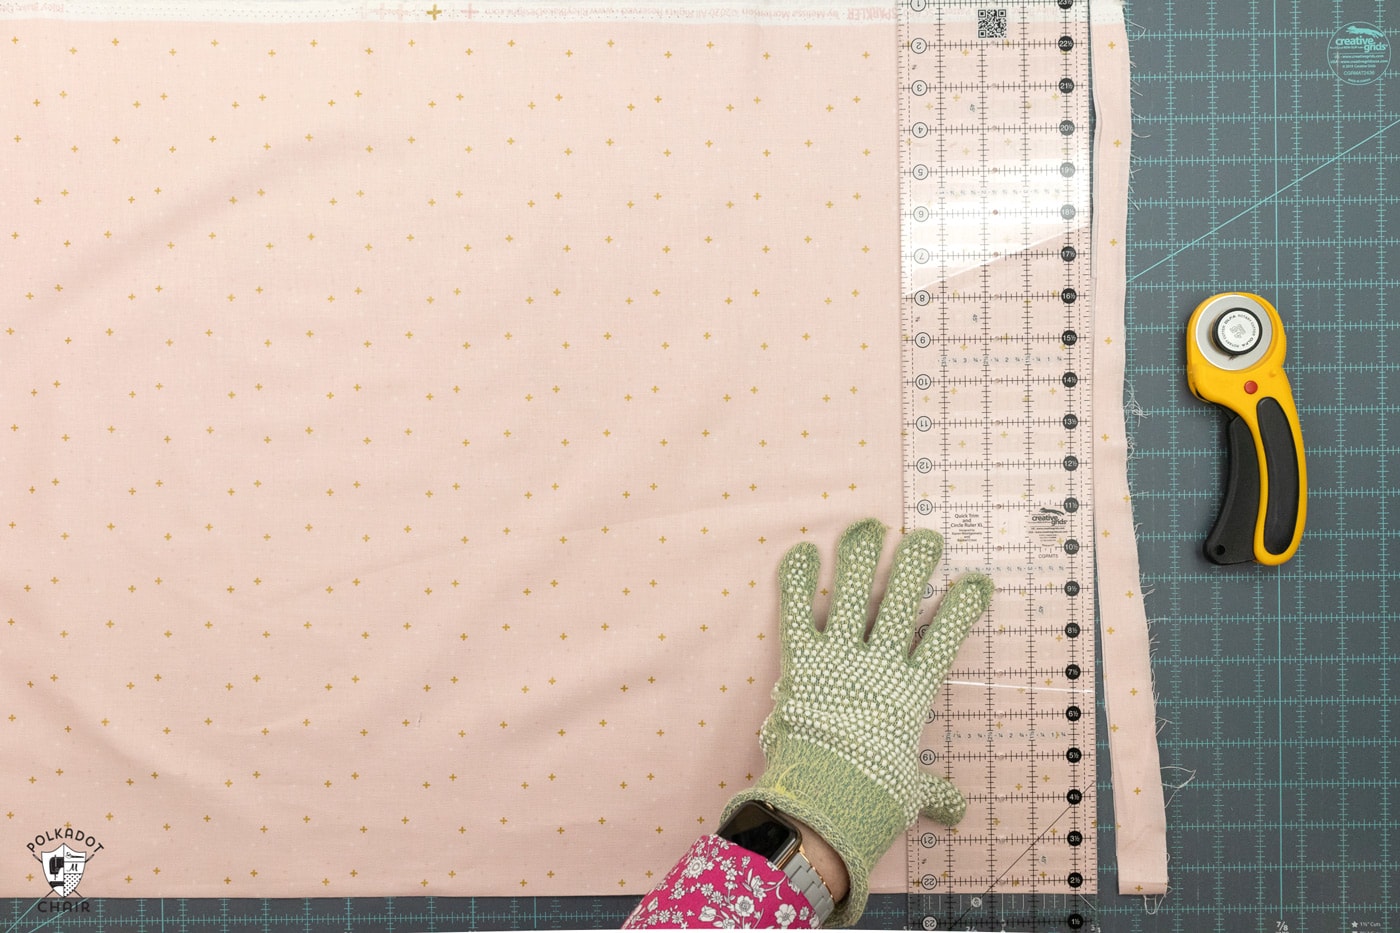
point(841, 742)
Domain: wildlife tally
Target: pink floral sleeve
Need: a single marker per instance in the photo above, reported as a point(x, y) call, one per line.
point(719, 884)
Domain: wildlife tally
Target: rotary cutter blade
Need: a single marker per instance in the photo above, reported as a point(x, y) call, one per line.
point(1234, 358)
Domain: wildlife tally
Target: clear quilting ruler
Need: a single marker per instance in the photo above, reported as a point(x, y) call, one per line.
point(995, 148)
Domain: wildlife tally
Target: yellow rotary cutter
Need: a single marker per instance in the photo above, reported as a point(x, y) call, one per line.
point(1234, 357)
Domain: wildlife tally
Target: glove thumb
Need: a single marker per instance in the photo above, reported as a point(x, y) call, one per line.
point(940, 800)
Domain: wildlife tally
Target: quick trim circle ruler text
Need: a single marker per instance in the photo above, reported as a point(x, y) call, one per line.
point(994, 166)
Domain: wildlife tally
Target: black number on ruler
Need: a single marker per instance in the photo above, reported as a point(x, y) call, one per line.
point(1068, 296)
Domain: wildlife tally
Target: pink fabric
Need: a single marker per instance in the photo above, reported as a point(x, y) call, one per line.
point(719, 884)
point(1140, 830)
point(406, 419)
point(404, 424)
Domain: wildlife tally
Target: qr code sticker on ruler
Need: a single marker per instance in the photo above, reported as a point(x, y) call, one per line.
point(991, 24)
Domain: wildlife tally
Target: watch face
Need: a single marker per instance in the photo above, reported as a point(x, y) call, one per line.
point(759, 830)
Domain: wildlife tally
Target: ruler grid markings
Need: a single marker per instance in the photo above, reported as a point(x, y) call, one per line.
point(989, 186)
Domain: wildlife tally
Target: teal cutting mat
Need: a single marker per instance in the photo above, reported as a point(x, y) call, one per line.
point(1256, 168)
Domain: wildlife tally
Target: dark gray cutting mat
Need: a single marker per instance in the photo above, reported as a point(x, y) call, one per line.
point(1256, 169)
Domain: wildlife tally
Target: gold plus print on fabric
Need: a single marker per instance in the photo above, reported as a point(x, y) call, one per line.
point(405, 421)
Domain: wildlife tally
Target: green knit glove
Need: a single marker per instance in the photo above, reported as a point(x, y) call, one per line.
point(842, 740)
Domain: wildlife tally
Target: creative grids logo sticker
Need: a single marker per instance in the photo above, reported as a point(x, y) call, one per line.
point(1359, 53)
point(64, 853)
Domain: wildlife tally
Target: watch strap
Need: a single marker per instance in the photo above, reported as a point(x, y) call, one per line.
point(806, 880)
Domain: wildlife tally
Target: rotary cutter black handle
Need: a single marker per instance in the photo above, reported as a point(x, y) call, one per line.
point(1247, 502)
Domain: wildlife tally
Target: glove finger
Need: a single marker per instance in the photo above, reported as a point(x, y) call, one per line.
point(914, 562)
point(797, 586)
point(962, 606)
point(940, 800)
point(856, 557)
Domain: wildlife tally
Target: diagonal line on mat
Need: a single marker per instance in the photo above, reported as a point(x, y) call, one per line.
point(20, 919)
point(1312, 171)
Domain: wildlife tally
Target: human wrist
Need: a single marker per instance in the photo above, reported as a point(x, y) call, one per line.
point(806, 848)
point(825, 860)
point(837, 800)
